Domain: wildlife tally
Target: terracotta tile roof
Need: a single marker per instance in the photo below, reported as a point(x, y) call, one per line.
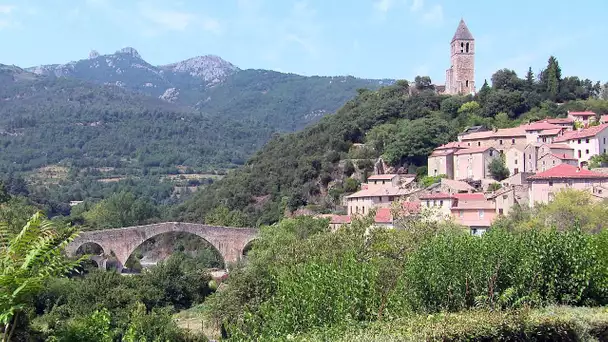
point(501, 133)
point(383, 215)
point(566, 171)
point(563, 156)
point(340, 219)
point(457, 185)
point(478, 196)
point(558, 120)
point(559, 146)
point(472, 150)
point(583, 133)
point(436, 195)
point(451, 145)
point(546, 132)
point(441, 153)
point(382, 177)
point(539, 126)
point(587, 113)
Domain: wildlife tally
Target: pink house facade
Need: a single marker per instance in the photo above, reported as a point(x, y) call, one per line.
point(544, 185)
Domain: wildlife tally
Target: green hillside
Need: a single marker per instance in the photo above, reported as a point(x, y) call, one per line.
point(402, 123)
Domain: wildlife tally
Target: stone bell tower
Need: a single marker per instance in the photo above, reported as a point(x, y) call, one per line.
point(460, 77)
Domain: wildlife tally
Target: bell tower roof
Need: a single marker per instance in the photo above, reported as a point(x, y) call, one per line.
point(462, 32)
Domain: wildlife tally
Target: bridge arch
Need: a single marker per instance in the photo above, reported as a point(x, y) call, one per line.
point(122, 242)
point(200, 242)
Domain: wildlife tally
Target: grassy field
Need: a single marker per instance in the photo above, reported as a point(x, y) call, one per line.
point(192, 319)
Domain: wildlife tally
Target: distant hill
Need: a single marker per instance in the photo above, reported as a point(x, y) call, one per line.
point(50, 120)
point(287, 102)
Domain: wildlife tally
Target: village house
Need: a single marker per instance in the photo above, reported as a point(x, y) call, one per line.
point(511, 195)
point(550, 160)
point(441, 160)
point(586, 142)
point(567, 123)
point(450, 186)
point(544, 185)
point(473, 211)
point(515, 159)
point(473, 163)
point(499, 139)
point(379, 191)
point(585, 118)
point(439, 204)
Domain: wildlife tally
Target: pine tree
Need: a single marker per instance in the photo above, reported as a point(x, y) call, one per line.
point(483, 92)
point(551, 79)
point(530, 82)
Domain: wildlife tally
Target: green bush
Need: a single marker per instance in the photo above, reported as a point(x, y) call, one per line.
point(553, 323)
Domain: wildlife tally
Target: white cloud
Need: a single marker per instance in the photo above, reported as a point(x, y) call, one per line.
point(212, 25)
point(167, 19)
point(434, 15)
point(6, 9)
point(417, 5)
point(383, 5)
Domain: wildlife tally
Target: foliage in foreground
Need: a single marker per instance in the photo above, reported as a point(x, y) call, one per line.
point(302, 278)
point(554, 323)
point(27, 261)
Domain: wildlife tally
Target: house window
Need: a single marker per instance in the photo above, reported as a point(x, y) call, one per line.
point(530, 156)
point(479, 143)
point(491, 153)
point(469, 144)
point(550, 183)
point(512, 141)
point(500, 142)
point(569, 182)
point(434, 203)
point(515, 171)
point(461, 213)
point(481, 213)
point(587, 140)
point(428, 203)
point(391, 198)
point(579, 141)
point(500, 211)
point(515, 161)
point(586, 151)
point(543, 162)
point(441, 203)
point(579, 153)
point(363, 210)
point(553, 162)
point(604, 140)
point(382, 182)
point(357, 209)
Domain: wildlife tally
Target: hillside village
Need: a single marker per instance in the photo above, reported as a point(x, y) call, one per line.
point(542, 158)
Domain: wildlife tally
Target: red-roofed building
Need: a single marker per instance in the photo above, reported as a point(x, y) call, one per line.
point(551, 160)
point(545, 184)
point(586, 142)
point(586, 117)
point(474, 211)
point(441, 160)
point(567, 123)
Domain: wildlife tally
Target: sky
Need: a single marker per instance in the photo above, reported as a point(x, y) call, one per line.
point(396, 39)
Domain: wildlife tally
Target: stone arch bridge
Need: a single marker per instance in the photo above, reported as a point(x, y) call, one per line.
point(229, 242)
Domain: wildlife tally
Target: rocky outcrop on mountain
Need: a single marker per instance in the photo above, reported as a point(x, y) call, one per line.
point(129, 51)
point(93, 54)
point(170, 95)
point(211, 69)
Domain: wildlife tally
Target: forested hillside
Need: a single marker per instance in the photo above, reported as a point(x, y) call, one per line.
point(402, 123)
point(49, 120)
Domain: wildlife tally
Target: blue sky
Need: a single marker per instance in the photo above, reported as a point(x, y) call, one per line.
point(364, 38)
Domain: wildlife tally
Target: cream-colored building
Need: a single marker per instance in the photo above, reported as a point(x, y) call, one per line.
point(515, 159)
point(379, 192)
point(551, 160)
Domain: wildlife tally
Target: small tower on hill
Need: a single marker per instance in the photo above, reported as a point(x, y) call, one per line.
point(460, 77)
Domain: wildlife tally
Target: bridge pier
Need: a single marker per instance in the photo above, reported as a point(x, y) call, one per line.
point(100, 260)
